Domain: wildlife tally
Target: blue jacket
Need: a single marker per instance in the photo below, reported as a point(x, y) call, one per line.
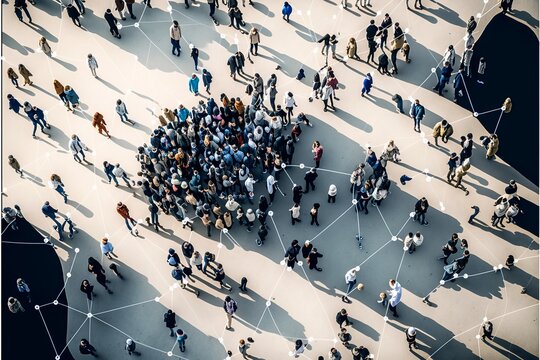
point(194, 84)
point(287, 9)
point(14, 105)
point(417, 111)
point(368, 82)
point(49, 211)
point(458, 81)
point(72, 96)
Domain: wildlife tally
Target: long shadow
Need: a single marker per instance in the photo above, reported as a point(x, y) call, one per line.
point(263, 8)
point(447, 14)
point(304, 32)
point(65, 64)
point(525, 16)
point(14, 44)
point(509, 350)
point(110, 85)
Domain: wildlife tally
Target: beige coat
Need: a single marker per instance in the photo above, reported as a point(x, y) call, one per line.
point(254, 37)
point(493, 147)
point(44, 46)
point(351, 49)
point(176, 33)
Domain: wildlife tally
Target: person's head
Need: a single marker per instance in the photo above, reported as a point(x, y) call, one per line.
point(10, 157)
point(447, 63)
point(108, 11)
point(343, 312)
point(466, 253)
point(257, 75)
point(85, 282)
point(294, 242)
point(386, 15)
point(175, 23)
point(228, 298)
point(84, 342)
point(418, 234)
point(290, 94)
point(396, 24)
point(471, 18)
point(417, 102)
point(129, 342)
point(392, 283)
point(410, 234)
point(482, 60)
point(334, 350)
point(444, 122)
point(242, 341)
point(67, 87)
point(179, 332)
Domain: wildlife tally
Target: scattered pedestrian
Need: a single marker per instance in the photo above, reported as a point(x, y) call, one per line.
point(86, 348)
point(87, 289)
point(286, 11)
point(112, 21)
point(181, 338)
point(410, 333)
point(230, 307)
point(169, 318)
point(25, 73)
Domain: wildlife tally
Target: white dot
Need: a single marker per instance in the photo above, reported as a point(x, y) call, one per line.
point(456, 276)
point(484, 319)
point(385, 318)
point(191, 46)
point(310, 339)
point(495, 268)
point(169, 8)
point(36, 307)
point(221, 340)
point(156, 299)
point(68, 214)
point(429, 178)
point(77, 250)
point(300, 263)
point(54, 53)
point(357, 268)
point(270, 213)
point(443, 208)
point(479, 15)
point(283, 165)
point(171, 288)
point(425, 141)
point(222, 36)
point(291, 353)
point(475, 114)
point(282, 262)
point(289, 268)
point(442, 282)
point(500, 266)
point(4, 189)
point(477, 336)
point(119, 26)
point(220, 245)
point(45, 240)
point(57, 357)
point(55, 302)
point(465, 37)
point(136, 24)
point(68, 274)
point(516, 261)
point(411, 214)
point(268, 303)
point(503, 108)
point(465, 276)
point(334, 340)
point(405, 248)
point(301, 166)
point(486, 1)
point(89, 315)
point(228, 358)
point(411, 99)
point(225, 231)
point(406, 30)
point(378, 13)
point(354, 201)
point(394, 238)
point(426, 170)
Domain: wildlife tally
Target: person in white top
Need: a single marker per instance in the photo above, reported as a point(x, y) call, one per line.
point(295, 213)
point(121, 110)
point(119, 172)
point(449, 55)
point(249, 187)
point(92, 64)
point(270, 187)
point(412, 241)
point(289, 103)
point(350, 280)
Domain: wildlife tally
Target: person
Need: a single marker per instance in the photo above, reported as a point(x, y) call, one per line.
point(295, 213)
point(12, 75)
point(39, 121)
point(420, 210)
point(482, 64)
point(243, 347)
point(74, 14)
point(25, 73)
point(399, 103)
point(493, 147)
point(45, 47)
point(329, 42)
point(310, 177)
point(286, 11)
point(317, 150)
point(343, 317)
point(20, 6)
point(443, 129)
point(99, 122)
point(195, 56)
point(120, 5)
point(87, 289)
point(107, 248)
point(129, 4)
point(15, 305)
point(95, 267)
point(449, 248)
point(130, 347)
point(299, 348)
point(50, 212)
point(471, 25)
point(112, 21)
point(332, 193)
point(461, 171)
point(14, 163)
point(350, 280)
point(314, 212)
point(175, 34)
point(382, 68)
point(383, 30)
point(194, 84)
point(123, 211)
point(446, 73)
point(86, 348)
point(367, 84)
point(207, 80)
point(500, 212)
point(334, 354)
point(254, 40)
point(313, 259)
point(410, 334)
point(327, 93)
point(56, 184)
point(505, 6)
point(289, 103)
point(220, 277)
point(487, 330)
point(120, 173)
point(230, 306)
point(92, 64)
point(449, 56)
point(395, 296)
point(24, 290)
point(352, 49)
point(72, 96)
point(417, 113)
point(459, 84)
point(466, 60)
point(360, 353)
point(181, 338)
point(122, 111)
point(169, 318)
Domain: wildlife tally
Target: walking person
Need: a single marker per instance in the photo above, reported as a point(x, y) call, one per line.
point(12, 75)
point(176, 34)
point(120, 5)
point(25, 73)
point(466, 59)
point(73, 14)
point(50, 212)
point(317, 150)
point(108, 170)
point(38, 120)
point(352, 49)
point(220, 277)
point(367, 84)
point(230, 306)
point(56, 184)
point(15, 306)
point(350, 280)
point(92, 64)
point(72, 96)
point(107, 248)
point(487, 330)
point(314, 212)
point(130, 347)
point(14, 163)
point(169, 318)
point(443, 129)
point(310, 177)
point(207, 80)
point(420, 209)
point(181, 338)
point(286, 11)
point(14, 104)
point(289, 103)
point(254, 40)
point(112, 21)
point(410, 333)
point(295, 213)
point(194, 84)
point(20, 6)
point(499, 212)
point(87, 289)
point(195, 56)
point(129, 4)
point(122, 111)
point(327, 93)
point(121, 173)
point(313, 259)
point(24, 290)
point(99, 122)
point(95, 268)
point(417, 113)
point(60, 91)
point(395, 296)
point(45, 47)
point(449, 248)
point(123, 210)
point(446, 73)
point(86, 348)
point(343, 317)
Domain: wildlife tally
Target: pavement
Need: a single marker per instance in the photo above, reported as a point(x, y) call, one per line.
point(140, 70)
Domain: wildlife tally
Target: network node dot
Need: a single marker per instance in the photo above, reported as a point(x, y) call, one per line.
point(300, 263)
point(495, 268)
point(68, 274)
point(228, 358)
point(57, 357)
point(484, 319)
point(394, 238)
point(378, 13)
point(442, 282)
point(45, 240)
point(516, 261)
point(136, 24)
point(357, 268)
point(500, 266)
point(310, 339)
point(465, 38)
point(479, 15)
point(429, 178)
point(289, 268)
point(354, 201)
point(407, 30)
point(270, 213)
point(268, 303)
point(2, 58)
point(433, 70)
point(385, 318)
point(291, 353)
point(405, 248)
point(282, 262)
point(156, 299)
point(119, 26)
point(36, 307)
point(503, 108)
point(475, 114)
point(486, 1)
point(301, 166)
point(225, 231)
point(55, 302)
point(456, 276)
point(169, 8)
point(411, 214)
point(220, 245)
point(4, 189)
point(169, 354)
point(334, 340)
point(477, 337)
point(220, 340)
point(175, 285)
point(89, 315)
point(222, 36)
point(54, 53)
point(425, 141)
point(283, 165)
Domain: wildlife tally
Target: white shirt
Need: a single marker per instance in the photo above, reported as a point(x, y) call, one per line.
point(270, 181)
point(288, 101)
point(350, 275)
point(418, 240)
point(249, 184)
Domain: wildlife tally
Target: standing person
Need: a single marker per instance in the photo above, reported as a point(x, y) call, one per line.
point(14, 163)
point(45, 47)
point(310, 177)
point(493, 147)
point(459, 84)
point(212, 4)
point(194, 84)
point(290, 103)
point(187, 251)
point(121, 173)
point(99, 122)
point(383, 30)
point(449, 55)
point(72, 96)
point(95, 267)
point(20, 6)
point(334, 354)
point(449, 248)
point(220, 277)
point(471, 25)
point(271, 188)
point(420, 210)
point(367, 84)
point(108, 170)
point(129, 4)
point(332, 192)
point(350, 280)
point(240, 63)
point(181, 339)
point(92, 64)
point(123, 210)
point(25, 73)
point(243, 347)
point(343, 317)
point(417, 113)
point(176, 34)
point(121, 110)
point(130, 347)
point(313, 259)
point(230, 306)
point(74, 14)
point(207, 80)
point(487, 330)
point(461, 171)
point(446, 73)
point(169, 318)
point(286, 11)
point(14, 104)
point(442, 129)
point(50, 212)
point(60, 91)
point(317, 150)
point(86, 348)
point(399, 103)
point(112, 21)
point(316, 87)
point(352, 49)
point(482, 64)
point(15, 305)
point(410, 333)
point(24, 290)
point(12, 75)
point(452, 166)
point(466, 60)
point(295, 213)
point(195, 55)
point(395, 296)
point(327, 93)
point(499, 212)
point(231, 61)
point(120, 5)
point(314, 212)
point(88, 289)
point(254, 40)
point(56, 184)
point(107, 248)
point(154, 218)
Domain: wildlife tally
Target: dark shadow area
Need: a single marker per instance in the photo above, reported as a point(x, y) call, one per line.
point(447, 14)
point(44, 285)
point(509, 350)
point(522, 89)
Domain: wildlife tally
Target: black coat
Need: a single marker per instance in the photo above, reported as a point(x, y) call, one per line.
point(232, 63)
point(111, 20)
point(306, 250)
point(371, 31)
point(72, 12)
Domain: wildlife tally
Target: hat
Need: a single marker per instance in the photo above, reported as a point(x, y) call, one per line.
point(411, 331)
point(129, 341)
point(250, 211)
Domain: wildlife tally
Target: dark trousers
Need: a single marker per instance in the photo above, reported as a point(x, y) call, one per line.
point(212, 9)
point(393, 309)
point(314, 220)
point(76, 21)
point(36, 123)
point(130, 9)
point(110, 176)
point(252, 47)
point(308, 184)
point(114, 31)
point(175, 47)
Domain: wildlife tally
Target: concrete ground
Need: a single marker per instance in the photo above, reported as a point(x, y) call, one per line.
point(140, 70)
